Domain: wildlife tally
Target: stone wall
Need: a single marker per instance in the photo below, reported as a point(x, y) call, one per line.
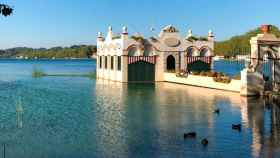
point(203, 81)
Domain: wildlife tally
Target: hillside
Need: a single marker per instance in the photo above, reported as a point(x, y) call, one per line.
point(239, 44)
point(75, 51)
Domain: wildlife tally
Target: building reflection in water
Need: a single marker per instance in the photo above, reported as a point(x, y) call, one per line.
point(138, 119)
point(264, 119)
point(110, 118)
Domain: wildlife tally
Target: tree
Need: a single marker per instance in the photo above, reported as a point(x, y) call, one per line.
point(5, 10)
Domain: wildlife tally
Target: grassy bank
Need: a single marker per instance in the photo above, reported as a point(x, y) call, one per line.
point(37, 73)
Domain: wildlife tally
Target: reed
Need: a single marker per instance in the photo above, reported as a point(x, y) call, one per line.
point(37, 72)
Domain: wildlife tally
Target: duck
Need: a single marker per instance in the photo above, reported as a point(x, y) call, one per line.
point(217, 111)
point(204, 142)
point(236, 126)
point(190, 135)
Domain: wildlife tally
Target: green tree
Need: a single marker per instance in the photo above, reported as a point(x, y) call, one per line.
point(239, 44)
point(6, 10)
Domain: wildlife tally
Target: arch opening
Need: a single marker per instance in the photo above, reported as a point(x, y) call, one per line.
point(170, 63)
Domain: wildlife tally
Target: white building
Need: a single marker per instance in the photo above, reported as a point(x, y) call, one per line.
point(134, 58)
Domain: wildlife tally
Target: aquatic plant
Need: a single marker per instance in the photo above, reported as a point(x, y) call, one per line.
point(37, 72)
point(91, 75)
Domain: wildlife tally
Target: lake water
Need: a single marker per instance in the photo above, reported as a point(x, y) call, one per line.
point(69, 117)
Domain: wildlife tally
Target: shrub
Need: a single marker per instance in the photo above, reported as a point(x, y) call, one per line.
point(222, 79)
point(211, 74)
point(195, 73)
point(203, 73)
point(171, 71)
point(116, 37)
point(202, 38)
point(192, 38)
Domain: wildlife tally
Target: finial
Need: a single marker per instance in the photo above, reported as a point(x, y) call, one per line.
point(210, 33)
point(110, 28)
point(124, 30)
point(99, 34)
point(190, 33)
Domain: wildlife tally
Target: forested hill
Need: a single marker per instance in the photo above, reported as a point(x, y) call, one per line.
point(239, 44)
point(75, 51)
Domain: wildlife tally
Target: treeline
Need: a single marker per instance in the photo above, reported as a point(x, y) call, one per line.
point(75, 51)
point(239, 44)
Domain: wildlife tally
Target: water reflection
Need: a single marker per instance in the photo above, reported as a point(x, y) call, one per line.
point(263, 118)
point(149, 120)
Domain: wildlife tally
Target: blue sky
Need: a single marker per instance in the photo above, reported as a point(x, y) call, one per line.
point(48, 23)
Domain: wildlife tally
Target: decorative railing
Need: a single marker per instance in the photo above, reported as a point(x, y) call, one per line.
point(191, 59)
point(148, 59)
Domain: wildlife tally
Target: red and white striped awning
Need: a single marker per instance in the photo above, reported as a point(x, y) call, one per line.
point(148, 59)
point(191, 59)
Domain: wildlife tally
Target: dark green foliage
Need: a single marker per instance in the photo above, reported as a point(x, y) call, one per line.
point(116, 37)
point(193, 38)
point(138, 39)
point(76, 51)
point(5, 10)
point(239, 44)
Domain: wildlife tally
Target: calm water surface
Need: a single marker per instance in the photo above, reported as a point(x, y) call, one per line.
point(68, 117)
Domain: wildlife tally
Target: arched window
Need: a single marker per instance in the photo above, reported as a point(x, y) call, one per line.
point(106, 62)
point(170, 63)
point(100, 62)
point(112, 62)
point(204, 52)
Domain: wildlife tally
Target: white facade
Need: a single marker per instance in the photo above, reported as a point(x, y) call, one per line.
point(115, 51)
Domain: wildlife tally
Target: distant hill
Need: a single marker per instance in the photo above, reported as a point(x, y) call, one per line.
point(239, 44)
point(75, 51)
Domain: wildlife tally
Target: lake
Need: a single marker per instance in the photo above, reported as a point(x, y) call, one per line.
point(69, 117)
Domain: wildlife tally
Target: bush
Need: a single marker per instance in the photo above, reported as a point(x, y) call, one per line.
point(222, 79)
point(182, 73)
point(195, 73)
point(211, 74)
point(171, 71)
point(203, 73)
